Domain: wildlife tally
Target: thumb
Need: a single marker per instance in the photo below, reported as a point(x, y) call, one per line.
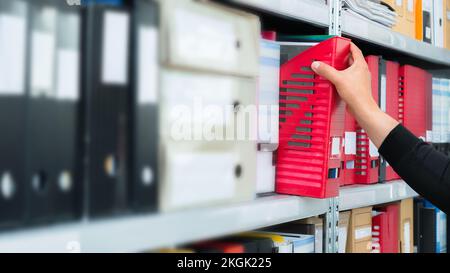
point(326, 71)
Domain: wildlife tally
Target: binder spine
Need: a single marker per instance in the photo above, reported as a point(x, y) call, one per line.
point(309, 153)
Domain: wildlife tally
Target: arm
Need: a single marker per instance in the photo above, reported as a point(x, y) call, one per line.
point(423, 168)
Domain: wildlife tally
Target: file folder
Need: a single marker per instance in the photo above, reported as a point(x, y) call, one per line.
point(268, 108)
point(209, 37)
point(389, 103)
point(349, 155)
point(367, 157)
point(385, 229)
point(438, 24)
point(205, 165)
point(107, 68)
point(436, 106)
point(405, 16)
point(144, 150)
point(441, 228)
point(311, 124)
point(13, 101)
point(53, 166)
point(415, 100)
point(426, 24)
point(447, 24)
point(281, 245)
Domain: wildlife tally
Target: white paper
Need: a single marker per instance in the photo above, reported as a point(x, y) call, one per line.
point(364, 232)
point(406, 237)
point(399, 2)
point(335, 146)
point(68, 75)
point(428, 32)
point(342, 239)
point(147, 64)
point(201, 177)
point(115, 48)
point(12, 54)
point(265, 172)
point(350, 143)
point(383, 93)
point(349, 165)
point(205, 39)
point(373, 150)
point(42, 63)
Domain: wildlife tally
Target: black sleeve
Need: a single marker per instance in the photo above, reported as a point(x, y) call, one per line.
point(420, 165)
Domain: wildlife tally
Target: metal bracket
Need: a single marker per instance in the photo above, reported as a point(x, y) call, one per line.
point(335, 11)
point(331, 227)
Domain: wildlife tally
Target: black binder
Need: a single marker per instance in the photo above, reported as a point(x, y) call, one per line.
point(13, 14)
point(107, 96)
point(53, 174)
point(427, 230)
point(144, 152)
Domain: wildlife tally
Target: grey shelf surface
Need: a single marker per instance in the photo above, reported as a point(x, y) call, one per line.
point(314, 12)
point(139, 233)
point(358, 27)
point(357, 196)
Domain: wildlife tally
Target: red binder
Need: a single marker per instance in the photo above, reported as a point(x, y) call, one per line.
point(392, 104)
point(414, 93)
point(349, 153)
point(367, 159)
point(385, 229)
point(311, 123)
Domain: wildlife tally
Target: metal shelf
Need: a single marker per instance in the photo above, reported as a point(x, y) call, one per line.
point(357, 196)
point(139, 233)
point(358, 27)
point(310, 11)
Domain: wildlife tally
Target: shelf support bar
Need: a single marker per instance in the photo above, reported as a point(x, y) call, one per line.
point(335, 11)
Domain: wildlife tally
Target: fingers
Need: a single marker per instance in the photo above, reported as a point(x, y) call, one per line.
point(326, 71)
point(357, 54)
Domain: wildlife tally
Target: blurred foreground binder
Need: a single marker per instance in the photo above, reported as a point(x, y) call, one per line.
point(144, 151)
point(13, 56)
point(311, 123)
point(108, 95)
point(199, 165)
point(52, 175)
point(447, 24)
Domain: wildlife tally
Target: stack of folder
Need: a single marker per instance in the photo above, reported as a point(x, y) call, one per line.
point(371, 10)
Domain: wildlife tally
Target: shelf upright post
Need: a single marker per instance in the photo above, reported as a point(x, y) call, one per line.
point(335, 12)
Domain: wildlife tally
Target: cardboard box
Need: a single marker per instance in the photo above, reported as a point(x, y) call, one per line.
point(406, 226)
point(359, 238)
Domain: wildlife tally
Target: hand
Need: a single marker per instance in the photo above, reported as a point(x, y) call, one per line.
point(354, 86)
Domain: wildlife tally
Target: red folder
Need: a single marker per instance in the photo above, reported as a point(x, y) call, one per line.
point(392, 104)
point(415, 100)
point(385, 229)
point(349, 153)
point(367, 159)
point(311, 123)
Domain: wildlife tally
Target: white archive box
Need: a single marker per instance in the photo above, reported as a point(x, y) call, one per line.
point(209, 37)
point(200, 164)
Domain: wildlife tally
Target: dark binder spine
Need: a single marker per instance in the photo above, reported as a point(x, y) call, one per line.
point(382, 97)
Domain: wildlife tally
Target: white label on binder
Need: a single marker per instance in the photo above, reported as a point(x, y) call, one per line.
point(373, 150)
point(115, 48)
point(410, 5)
point(202, 177)
point(448, 15)
point(147, 64)
point(399, 2)
point(350, 143)
point(68, 75)
point(12, 54)
point(205, 39)
point(406, 237)
point(383, 93)
point(42, 63)
point(335, 146)
point(428, 32)
point(364, 232)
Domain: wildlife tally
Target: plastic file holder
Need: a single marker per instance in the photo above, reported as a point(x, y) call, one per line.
point(366, 165)
point(385, 229)
point(349, 153)
point(415, 100)
point(311, 123)
point(389, 103)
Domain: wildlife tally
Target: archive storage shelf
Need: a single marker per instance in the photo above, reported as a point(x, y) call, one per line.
point(356, 196)
point(355, 26)
point(139, 233)
point(311, 11)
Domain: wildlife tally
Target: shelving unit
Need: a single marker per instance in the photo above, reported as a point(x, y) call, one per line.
point(139, 233)
point(144, 232)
